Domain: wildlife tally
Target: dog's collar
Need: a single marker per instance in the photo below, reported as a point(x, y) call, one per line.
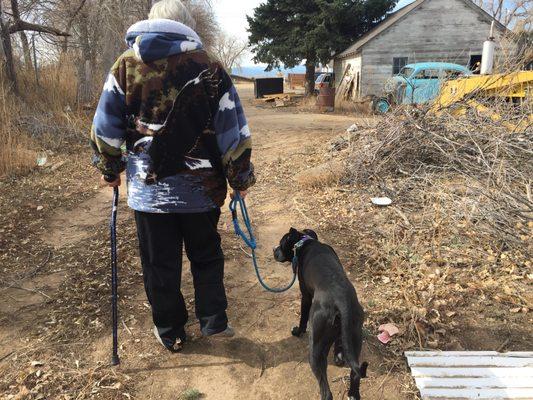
point(297, 247)
point(300, 243)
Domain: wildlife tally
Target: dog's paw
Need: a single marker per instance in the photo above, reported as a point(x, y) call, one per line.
point(296, 331)
point(338, 359)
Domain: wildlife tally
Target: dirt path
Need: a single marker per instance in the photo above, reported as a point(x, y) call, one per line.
point(263, 361)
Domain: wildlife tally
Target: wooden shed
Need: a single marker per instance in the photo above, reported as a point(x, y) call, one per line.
point(425, 30)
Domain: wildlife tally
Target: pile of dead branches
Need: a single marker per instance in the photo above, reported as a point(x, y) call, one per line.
point(473, 167)
point(451, 254)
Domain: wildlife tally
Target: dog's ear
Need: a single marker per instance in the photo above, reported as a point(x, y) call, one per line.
point(311, 233)
point(293, 232)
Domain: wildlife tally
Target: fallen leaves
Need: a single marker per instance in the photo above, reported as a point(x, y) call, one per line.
point(50, 361)
point(432, 274)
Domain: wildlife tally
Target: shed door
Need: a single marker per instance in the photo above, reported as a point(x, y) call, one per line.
point(475, 63)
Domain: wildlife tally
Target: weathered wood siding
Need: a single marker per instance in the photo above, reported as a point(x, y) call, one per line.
point(355, 70)
point(438, 30)
point(340, 66)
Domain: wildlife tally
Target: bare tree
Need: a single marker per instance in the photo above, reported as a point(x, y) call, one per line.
point(206, 23)
point(91, 32)
point(7, 51)
point(17, 25)
point(22, 35)
point(230, 50)
point(509, 12)
point(524, 51)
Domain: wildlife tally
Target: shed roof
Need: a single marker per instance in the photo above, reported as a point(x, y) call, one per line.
point(400, 14)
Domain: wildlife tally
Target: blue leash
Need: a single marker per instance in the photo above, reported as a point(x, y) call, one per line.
point(250, 241)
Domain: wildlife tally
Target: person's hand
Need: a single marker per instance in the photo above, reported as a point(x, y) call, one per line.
point(243, 193)
point(113, 184)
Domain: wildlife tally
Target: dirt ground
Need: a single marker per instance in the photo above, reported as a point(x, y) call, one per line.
point(55, 316)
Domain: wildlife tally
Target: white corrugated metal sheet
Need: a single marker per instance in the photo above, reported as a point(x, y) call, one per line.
point(472, 374)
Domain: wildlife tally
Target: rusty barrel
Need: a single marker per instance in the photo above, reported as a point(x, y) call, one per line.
point(326, 97)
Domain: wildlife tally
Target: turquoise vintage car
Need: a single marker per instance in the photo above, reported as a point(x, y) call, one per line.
point(418, 83)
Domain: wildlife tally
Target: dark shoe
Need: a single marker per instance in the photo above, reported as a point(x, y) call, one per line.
point(162, 335)
point(226, 333)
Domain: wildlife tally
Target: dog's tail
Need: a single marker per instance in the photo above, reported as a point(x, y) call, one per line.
point(352, 338)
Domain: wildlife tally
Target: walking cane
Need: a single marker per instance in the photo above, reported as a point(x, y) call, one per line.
point(114, 273)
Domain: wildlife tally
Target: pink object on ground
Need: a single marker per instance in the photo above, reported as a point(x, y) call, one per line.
point(384, 337)
point(387, 332)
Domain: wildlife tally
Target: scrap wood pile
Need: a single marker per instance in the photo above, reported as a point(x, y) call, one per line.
point(347, 95)
point(453, 250)
point(282, 99)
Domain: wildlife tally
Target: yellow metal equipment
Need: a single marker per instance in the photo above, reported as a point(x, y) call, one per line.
point(477, 91)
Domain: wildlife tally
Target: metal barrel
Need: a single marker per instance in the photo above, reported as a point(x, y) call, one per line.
point(326, 97)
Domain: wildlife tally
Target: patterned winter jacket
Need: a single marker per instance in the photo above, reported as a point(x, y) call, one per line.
point(180, 118)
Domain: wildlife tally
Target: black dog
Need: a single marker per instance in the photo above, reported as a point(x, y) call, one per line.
point(330, 303)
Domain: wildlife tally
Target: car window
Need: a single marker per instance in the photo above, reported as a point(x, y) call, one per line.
point(432, 74)
point(319, 79)
point(453, 73)
point(406, 72)
point(428, 74)
point(327, 78)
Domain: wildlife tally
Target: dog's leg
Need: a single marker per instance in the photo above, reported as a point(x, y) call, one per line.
point(321, 339)
point(355, 382)
point(338, 355)
point(305, 307)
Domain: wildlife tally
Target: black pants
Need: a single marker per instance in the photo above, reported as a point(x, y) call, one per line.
point(161, 239)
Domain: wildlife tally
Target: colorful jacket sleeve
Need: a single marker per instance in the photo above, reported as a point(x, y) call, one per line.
point(234, 138)
point(108, 131)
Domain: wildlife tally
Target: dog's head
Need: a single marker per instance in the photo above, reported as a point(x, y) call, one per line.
point(285, 251)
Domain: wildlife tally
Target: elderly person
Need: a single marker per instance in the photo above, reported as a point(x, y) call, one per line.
point(179, 116)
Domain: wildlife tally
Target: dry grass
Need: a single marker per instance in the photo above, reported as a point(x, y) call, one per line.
point(362, 106)
point(56, 89)
point(47, 116)
point(16, 155)
point(326, 174)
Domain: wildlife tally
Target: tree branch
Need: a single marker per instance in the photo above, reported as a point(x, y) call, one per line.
point(19, 25)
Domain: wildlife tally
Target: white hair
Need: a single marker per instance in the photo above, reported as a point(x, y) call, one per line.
point(172, 9)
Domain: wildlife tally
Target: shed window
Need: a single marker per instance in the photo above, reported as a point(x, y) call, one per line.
point(398, 63)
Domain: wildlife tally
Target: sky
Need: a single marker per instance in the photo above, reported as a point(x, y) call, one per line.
point(231, 15)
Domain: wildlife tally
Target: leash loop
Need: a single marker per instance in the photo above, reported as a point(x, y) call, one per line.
point(238, 202)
